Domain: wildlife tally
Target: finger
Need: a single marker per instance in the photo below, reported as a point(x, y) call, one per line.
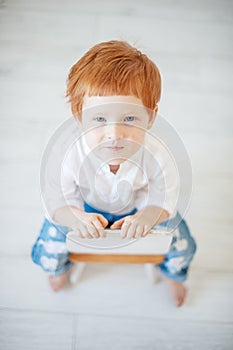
point(117, 224)
point(92, 230)
point(124, 228)
point(85, 232)
point(146, 230)
point(102, 220)
point(78, 232)
point(131, 230)
point(99, 228)
point(139, 231)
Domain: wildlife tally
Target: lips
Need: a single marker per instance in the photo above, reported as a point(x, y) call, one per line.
point(114, 148)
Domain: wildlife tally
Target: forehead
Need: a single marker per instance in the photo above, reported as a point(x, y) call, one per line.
point(105, 101)
point(114, 107)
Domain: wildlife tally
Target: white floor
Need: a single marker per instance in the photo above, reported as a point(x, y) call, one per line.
point(115, 306)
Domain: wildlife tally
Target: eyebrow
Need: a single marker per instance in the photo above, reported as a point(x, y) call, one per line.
point(131, 112)
point(102, 112)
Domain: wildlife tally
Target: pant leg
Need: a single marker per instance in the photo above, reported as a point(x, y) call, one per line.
point(49, 250)
point(182, 250)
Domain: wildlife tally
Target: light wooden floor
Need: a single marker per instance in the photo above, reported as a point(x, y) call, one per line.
point(115, 306)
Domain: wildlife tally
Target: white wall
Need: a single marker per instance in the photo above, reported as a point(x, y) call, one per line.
point(191, 41)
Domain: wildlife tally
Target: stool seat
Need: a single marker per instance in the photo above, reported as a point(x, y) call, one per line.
point(114, 249)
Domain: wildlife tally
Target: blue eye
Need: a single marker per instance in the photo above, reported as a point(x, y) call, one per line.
point(130, 118)
point(100, 119)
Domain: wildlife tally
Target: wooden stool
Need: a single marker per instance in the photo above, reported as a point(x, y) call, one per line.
point(149, 250)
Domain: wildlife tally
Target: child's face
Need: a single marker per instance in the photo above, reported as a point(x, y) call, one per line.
point(114, 126)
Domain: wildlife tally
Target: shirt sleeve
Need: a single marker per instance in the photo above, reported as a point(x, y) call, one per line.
point(162, 187)
point(70, 189)
point(58, 182)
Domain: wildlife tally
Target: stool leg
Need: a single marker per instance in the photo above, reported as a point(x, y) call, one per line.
point(151, 273)
point(76, 272)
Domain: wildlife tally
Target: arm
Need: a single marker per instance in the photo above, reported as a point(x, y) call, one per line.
point(62, 197)
point(87, 225)
point(156, 200)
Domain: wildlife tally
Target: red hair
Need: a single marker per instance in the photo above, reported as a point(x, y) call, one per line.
point(113, 68)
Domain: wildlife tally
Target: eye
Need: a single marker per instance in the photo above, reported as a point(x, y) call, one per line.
point(130, 118)
point(100, 119)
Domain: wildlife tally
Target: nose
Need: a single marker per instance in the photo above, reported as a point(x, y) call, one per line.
point(114, 131)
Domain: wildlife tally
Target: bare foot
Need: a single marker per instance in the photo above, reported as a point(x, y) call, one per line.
point(58, 282)
point(177, 290)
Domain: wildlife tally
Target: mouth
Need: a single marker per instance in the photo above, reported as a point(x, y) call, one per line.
point(114, 148)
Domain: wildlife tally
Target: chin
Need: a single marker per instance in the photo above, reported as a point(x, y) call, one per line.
point(116, 161)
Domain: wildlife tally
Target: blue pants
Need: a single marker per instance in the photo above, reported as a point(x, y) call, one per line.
point(49, 250)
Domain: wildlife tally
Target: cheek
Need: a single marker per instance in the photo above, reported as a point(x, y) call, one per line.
point(93, 138)
point(137, 136)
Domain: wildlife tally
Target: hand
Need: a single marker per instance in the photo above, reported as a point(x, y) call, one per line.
point(89, 225)
point(140, 224)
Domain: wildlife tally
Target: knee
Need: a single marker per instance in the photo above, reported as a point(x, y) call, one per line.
point(192, 246)
point(185, 246)
point(50, 231)
point(184, 234)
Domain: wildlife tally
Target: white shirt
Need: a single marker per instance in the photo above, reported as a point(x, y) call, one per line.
point(72, 174)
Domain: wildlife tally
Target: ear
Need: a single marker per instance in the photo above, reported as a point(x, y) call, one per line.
point(153, 115)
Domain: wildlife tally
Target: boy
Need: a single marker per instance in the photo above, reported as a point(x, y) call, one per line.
point(115, 174)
